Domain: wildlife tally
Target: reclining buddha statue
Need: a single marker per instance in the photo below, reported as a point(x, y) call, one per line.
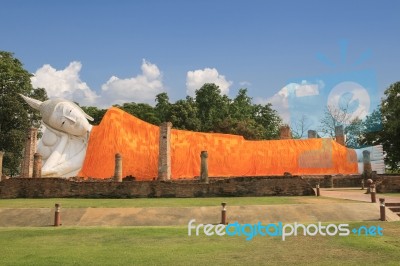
point(70, 147)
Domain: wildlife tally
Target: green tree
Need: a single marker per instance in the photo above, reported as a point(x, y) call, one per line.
point(372, 134)
point(34, 115)
point(15, 115)
point(142, 111)
point(163, 107)
point(355, 133)
point(269, 119)
point(183, 115)
point(249, 120)
point(241, 108)
point(390, 134)
point(212, 107)
point(208, 112)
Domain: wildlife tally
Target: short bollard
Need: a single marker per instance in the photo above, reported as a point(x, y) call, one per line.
point(362, 184)
point(318, 192)
point(57, 216)
point(382, 209)
point(223, 213)
point(369, 183)
point(373, 193)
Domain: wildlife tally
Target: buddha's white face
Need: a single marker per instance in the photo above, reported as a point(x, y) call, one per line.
point(67, 118)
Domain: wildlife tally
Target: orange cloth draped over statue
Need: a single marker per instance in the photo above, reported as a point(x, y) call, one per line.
point(228, 155)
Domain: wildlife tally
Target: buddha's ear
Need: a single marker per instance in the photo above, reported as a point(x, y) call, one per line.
point(88, 117)
point(35, 104)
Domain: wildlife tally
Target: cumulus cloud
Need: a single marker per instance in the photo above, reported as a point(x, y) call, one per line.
point(280, 100)
point(67, 84)
point(64, 83)
point(305, 89)
point(196, 79)
point(142, 88)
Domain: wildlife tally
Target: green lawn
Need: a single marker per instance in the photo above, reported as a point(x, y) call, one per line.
point(159, 202)
point(172, 246)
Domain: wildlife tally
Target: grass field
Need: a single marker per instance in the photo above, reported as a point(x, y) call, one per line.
point(172, 246)
point(160, 202)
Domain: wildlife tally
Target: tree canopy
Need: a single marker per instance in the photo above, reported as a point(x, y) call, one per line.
point(15, 115)
point(383, 127)
point(208, 111)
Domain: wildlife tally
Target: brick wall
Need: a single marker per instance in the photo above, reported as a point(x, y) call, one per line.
point(338, 181)
point(384, 183)
point(61, 188)
point(388, 184)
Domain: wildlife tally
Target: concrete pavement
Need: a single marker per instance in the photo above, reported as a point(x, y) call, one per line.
point(358, 208)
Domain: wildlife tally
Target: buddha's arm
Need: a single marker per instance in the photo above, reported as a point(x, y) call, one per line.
point(69, 167)
point(55, 156)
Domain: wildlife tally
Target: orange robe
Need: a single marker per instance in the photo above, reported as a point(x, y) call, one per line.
point(228, 155)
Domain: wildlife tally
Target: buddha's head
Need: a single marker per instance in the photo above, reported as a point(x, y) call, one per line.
point(62, 115)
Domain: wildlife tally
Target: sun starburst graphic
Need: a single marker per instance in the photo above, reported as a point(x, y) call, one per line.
point(344, 45)
point(349, 95)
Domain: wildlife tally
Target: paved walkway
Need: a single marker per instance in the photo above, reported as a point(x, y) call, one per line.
point(358, 209)
point(167, 216)
point(354, 194)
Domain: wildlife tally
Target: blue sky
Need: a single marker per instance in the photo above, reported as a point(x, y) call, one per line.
point(102, 49)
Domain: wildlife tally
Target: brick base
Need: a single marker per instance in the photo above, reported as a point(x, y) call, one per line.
point(232, 187)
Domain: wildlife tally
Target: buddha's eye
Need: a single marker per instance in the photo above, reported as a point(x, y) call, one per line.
point(62, 123)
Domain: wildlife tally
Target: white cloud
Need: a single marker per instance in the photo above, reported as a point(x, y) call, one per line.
point(142, 88)
point(245, 83)
point(305, 89)
point(66, 84)
point(280, 100)
point(196, 79)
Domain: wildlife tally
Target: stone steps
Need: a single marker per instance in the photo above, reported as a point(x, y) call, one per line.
point(394, 207)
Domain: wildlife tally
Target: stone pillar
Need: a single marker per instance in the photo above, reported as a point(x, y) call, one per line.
point(118, 168)
point(29, 151)
point(164, 153)
point(285, 132)
point(367, 172)
point(37, 166)
point(204, 167)
point(1, 165)
point(312, 134)
point(339, 135)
